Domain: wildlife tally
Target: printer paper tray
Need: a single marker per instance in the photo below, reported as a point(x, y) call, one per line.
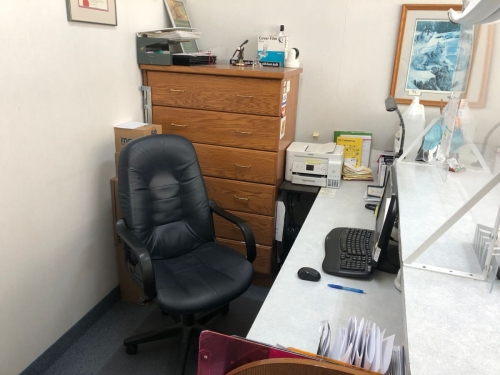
point(306, 179)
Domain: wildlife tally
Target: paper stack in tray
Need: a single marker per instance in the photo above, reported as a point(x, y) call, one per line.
point(352, 173)
point(174, 34)
point(361, 344)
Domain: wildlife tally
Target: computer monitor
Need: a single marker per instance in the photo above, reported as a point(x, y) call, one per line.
point(356, 252)
point(386, 256)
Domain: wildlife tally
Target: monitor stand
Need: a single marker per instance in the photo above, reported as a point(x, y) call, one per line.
point(389, 259)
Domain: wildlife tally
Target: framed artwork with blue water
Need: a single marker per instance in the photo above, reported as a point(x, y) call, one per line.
point(434, 56)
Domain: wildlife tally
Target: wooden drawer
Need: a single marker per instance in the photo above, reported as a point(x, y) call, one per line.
point(216, 93)
point(262, 227)
point(219, 128)
point(237, 164)
point(241, 196)
point(262, 262)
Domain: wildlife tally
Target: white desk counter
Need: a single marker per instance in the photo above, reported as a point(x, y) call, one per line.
point(294, 308)
point(452, 323)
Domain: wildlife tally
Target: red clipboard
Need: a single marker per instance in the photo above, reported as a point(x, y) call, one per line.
point(219, 354)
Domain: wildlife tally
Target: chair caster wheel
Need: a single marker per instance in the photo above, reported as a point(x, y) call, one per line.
point(131, 350)
point(225, 310)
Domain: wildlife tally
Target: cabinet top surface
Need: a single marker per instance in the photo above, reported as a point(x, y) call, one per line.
point(227, 70)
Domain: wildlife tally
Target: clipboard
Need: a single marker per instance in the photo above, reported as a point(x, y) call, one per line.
point(220, 354)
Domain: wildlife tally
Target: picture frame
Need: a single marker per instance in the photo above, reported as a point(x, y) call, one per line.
point(427, 51)
point(102, 12)
point(177, 12)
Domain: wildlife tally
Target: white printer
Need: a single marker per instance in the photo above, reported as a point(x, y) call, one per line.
point(314, 164)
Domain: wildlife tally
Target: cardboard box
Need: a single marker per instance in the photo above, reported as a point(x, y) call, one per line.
point(124, 133)
point(275, 49)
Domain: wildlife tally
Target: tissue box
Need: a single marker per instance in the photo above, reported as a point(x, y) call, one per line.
point(275, 48)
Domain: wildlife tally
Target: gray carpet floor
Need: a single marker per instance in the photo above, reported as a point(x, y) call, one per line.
point(100, 350)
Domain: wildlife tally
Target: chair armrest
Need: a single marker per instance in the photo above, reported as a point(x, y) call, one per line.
point(143, 257)
point(244, 227)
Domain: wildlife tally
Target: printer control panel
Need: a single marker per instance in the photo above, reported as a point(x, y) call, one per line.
point(313, 168)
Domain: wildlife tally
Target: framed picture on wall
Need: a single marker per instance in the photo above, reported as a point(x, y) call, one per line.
point(428, 49)
point(178, 15)
point(92, 11)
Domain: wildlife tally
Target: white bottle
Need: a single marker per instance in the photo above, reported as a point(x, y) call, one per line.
point(467, 121)
point(414, 119)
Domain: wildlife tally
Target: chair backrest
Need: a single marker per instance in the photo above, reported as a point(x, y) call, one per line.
point(162, 195)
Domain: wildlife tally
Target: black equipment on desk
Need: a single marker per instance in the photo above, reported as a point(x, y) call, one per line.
point(193, 59)
point(391, 106)
point(355, 252)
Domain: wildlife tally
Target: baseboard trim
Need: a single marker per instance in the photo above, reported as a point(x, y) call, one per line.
point(54, 352)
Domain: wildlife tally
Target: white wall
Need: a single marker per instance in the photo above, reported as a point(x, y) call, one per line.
point(347, 52)
point(63, 86)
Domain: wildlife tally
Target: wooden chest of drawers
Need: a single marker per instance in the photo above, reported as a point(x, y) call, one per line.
point(240, 120)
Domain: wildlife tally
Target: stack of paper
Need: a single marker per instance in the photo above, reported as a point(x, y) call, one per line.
point(325, 339)
point(174, 34)
point(353, 173)
point(362, 345)
point(397, 366)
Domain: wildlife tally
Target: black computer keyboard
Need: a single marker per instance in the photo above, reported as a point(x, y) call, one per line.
point(348, 252)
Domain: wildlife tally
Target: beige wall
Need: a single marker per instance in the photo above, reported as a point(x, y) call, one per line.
point(347, 51)
point(64, 85)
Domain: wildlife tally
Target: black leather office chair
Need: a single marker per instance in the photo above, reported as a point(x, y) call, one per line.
point(170, 250)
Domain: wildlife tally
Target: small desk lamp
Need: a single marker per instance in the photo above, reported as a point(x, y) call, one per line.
point(391, 106)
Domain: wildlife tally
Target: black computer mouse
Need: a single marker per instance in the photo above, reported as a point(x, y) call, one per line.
point(309, 274)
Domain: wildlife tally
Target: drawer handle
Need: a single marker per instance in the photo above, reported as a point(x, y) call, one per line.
point(245, 96)
point(240, 132)
point(178, 125)
point(241, 199)
point(173, 90)
point(242, 166)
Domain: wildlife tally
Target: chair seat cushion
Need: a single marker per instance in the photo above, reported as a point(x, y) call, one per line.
point(208, 277)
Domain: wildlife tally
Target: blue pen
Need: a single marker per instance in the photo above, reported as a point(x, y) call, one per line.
point(334, 286)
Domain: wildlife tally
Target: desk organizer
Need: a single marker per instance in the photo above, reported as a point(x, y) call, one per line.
point(153, 51)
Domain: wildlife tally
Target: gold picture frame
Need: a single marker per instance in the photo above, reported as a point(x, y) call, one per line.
point(424, 33)
point(102, 12)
